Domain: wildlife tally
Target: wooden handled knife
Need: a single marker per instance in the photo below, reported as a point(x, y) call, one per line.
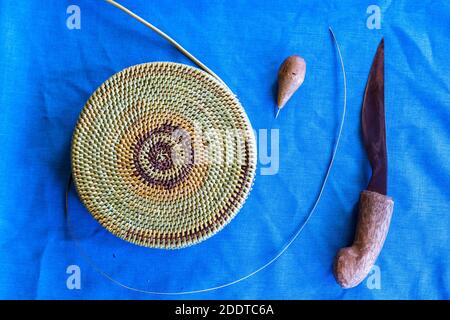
point(353, 263)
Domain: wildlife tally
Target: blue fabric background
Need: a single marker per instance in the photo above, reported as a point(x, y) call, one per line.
point(47, 72)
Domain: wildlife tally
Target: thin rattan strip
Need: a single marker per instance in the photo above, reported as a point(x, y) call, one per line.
point(136, 159)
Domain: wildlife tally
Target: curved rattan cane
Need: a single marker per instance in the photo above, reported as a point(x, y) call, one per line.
point(163, 155)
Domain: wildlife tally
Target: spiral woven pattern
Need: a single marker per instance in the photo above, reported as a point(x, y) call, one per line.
point(163, 155)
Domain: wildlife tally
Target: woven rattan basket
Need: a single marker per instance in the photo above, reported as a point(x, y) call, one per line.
point(163, 155)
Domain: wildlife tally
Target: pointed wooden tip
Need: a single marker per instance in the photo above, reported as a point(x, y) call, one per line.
point(290, 77)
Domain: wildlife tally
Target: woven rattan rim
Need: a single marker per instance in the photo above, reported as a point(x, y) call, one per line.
point(163, 155)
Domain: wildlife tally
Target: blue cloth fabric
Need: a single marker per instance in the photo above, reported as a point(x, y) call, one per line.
point(48, 71)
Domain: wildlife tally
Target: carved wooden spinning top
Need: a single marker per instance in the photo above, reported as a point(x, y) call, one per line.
point(290, 77)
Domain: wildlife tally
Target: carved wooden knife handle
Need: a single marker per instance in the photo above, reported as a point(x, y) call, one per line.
point(353, 263)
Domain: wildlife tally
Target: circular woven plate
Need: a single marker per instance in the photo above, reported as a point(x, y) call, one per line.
point(163, 155)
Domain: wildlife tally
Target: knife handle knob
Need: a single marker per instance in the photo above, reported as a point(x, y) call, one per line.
point(353, 263)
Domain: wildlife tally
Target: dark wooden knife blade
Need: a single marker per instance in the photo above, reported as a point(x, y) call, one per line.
point(373, 123)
